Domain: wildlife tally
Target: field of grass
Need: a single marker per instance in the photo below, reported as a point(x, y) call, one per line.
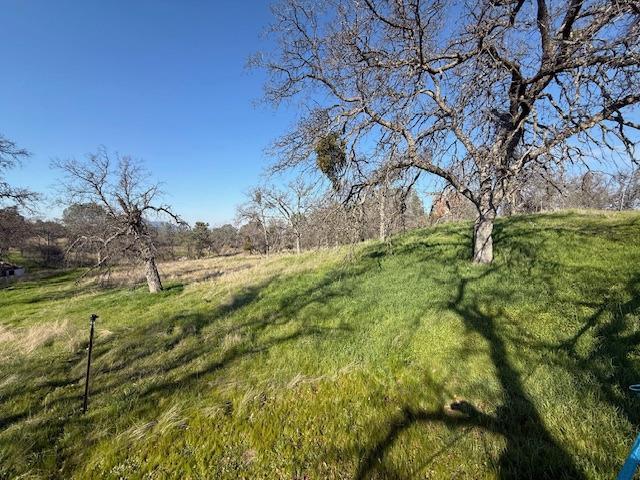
point(386, 360)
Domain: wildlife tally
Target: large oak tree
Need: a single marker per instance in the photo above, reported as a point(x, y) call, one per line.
point(476, 93)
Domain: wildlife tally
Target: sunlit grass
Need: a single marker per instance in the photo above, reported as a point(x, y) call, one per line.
point(398, 360)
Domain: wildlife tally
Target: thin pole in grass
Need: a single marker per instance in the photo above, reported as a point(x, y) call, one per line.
point(86, 384)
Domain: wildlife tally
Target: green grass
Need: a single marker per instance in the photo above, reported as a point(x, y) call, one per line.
point(15, 257)
point(341, 363)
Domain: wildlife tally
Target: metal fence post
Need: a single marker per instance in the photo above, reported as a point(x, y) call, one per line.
point(86, 385)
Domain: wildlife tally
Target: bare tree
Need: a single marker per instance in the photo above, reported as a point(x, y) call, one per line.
point(502, 88)
point(11, 156)
point(123, 190)
point(293, 205)
point(627, 188)
point(394, 188)
point(256, 210)
point(329, 223)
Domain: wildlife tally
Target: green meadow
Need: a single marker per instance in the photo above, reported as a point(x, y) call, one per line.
point(384, 360)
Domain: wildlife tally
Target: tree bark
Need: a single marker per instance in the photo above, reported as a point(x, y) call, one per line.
point(510, 203)
point(298, 243)
point(483, 236)
point(153, 278)
point(361, 227)
point(266, 236)
point(383, 218)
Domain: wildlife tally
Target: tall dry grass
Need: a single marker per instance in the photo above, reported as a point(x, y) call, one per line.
point(228, 270)
point(26, 340)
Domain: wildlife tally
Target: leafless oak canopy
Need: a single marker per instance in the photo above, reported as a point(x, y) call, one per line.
point(477, 93)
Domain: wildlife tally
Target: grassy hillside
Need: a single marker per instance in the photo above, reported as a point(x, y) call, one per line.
point(398, 360)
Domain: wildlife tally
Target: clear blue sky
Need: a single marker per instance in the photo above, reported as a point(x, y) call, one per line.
point(161, 80)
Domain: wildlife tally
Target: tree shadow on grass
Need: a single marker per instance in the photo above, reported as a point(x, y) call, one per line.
point(288, 306)
point(186, 352)
point(530, 452)
point(611, 362)
point(140, 366)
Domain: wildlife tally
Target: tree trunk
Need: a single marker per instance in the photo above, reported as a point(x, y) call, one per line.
point(509, 203)
point(483, 237)
point(297, 243)
point(153, 278)
point(266, 236)
point(623, 191)
point(361, 226)
point(383, 219)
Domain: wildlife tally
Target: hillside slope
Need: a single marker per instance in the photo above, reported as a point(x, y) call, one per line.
point(398, 360)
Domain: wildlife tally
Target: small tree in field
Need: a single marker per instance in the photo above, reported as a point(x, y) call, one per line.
point(201, 237)
point(256, 211)
point(292, 204)
point(476, 93)
point(121, 187)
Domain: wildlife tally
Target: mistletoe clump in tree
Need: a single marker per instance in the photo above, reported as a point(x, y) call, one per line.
point(331, 157)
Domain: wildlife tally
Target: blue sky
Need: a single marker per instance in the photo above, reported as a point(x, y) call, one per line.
point(161, 80)
point(164, 81)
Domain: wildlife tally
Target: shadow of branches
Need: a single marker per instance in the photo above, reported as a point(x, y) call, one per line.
point(140, 366)
point(531, 451)
point(191, 350)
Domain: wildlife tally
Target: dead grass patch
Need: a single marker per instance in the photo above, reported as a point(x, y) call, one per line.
point(28, 339)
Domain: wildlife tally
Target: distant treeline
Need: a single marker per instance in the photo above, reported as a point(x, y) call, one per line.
point(551, 192)
point(55, 243)
point(297, 218)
